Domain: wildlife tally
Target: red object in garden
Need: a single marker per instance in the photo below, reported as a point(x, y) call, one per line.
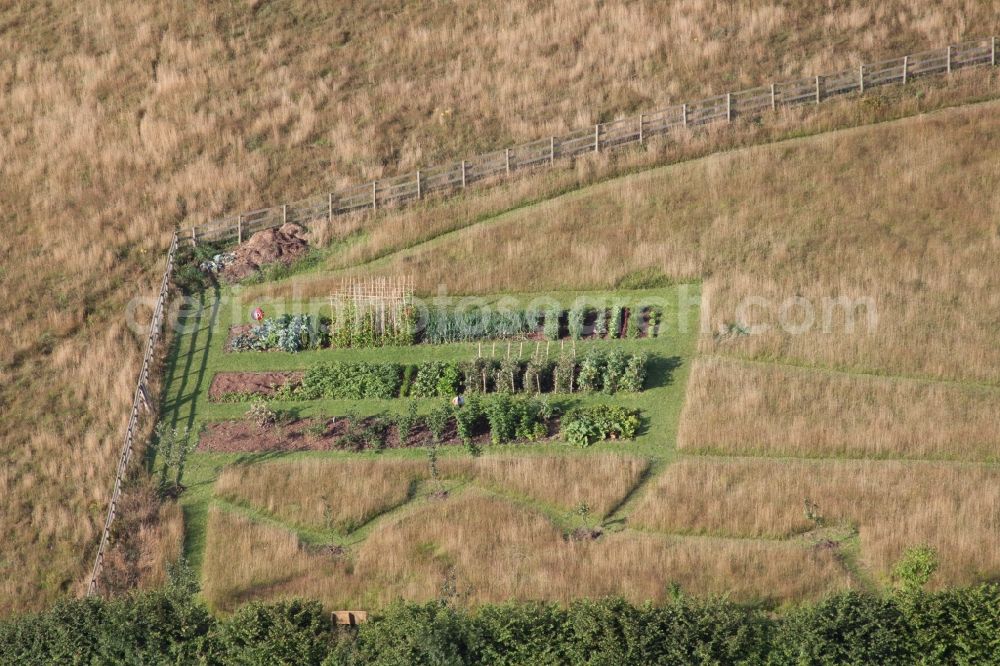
point(258, 314)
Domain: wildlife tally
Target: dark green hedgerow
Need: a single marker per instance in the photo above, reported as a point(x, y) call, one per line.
point(171, 625)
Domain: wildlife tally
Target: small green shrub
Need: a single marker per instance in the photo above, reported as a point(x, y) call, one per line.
point(634, 376)
point(585, 425)
point(614, 368)
point(564, 374)
point(350, 381)
point(575, 320)
point(601, 323)
point(406, 423)
point(633, 326)
point(615, 326)
point(551, 326)
point(591, 371)
point(437, 421)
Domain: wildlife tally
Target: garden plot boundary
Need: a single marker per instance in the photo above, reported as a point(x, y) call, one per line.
point(495, 166)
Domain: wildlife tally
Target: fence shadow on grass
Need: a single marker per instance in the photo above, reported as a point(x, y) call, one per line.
point(190, 351)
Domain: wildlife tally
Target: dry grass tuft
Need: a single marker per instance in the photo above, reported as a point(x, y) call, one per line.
point(743, 409)
point(323, 494)
point(954, 508)
point(487, 550)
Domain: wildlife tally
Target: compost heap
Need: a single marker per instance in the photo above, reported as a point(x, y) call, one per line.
point(282, 245)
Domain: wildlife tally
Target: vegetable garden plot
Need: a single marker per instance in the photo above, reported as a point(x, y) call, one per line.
point(593, 372)
point(495, 420)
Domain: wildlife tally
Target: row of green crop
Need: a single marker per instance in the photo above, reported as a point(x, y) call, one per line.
point(597, 371)
point(293, 333)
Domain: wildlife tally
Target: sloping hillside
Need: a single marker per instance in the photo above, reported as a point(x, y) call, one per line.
point(120, 120)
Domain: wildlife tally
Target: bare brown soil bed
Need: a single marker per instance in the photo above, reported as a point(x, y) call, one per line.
point(264, 384)
point(244, 436)
point(283, 245)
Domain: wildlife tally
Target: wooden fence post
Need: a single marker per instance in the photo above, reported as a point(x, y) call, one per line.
point(729, 107)
point(861, 78)
point(597, 138)
point(194, 237)
point(906, 68)
point(993, 52)
point(507, 157)
point(419, 193)
point(774, 99)
point(284, 213)
point(330, 206)
point(374, 196)
point(684, 112)
point(640, 129)
point(552, 150)
point(463, 172)
point(239, 229)
point(817, 89)
point(949, 58)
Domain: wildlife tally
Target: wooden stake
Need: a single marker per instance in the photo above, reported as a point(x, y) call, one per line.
point(330, 206)
point(284, 213)
point(239, 230)
point(640, 129)
point(993, 52)
point(597, 138)
point(463, 173)
point(419, 193)
point(507, 158)
point(374, 197)
point(949, 59)
point(906, 68)
point(774, 98)
point(861, 78)
point(729, 107)
point(684, 114)
point(817, 90)
point(552, 150)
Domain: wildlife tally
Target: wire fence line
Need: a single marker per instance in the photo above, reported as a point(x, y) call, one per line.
point(140, 402)
point(454, 177)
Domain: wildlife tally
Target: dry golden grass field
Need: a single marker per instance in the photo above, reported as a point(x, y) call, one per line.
point(892, 505)
point(481, 549)
point(120, 120)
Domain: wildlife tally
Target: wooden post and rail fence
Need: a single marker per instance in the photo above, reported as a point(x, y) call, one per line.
point(456, 176)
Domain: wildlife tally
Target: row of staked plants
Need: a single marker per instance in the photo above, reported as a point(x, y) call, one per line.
point(597, 371)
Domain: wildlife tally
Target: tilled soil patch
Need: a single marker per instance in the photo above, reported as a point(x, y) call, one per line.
point(265, 384)
point(244, 436)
